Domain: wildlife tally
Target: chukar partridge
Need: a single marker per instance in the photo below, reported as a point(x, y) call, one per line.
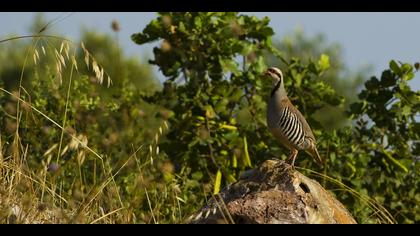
point(286, 123)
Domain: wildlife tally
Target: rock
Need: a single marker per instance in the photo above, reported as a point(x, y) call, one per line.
point(273, 193)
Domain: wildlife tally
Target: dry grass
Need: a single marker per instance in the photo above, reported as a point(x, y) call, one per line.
point(33, 196)
point(37, 195)
point(381, 215)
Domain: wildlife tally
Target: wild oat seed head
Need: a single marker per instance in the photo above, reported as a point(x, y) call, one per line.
point(115, 26)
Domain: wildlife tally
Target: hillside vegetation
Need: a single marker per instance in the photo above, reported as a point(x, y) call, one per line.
point(89, 135)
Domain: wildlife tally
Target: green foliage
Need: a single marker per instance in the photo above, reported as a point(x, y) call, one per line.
point(346, 83)
point(200, 48)
point(386, 141)
point(216, 91)
point(354, 171)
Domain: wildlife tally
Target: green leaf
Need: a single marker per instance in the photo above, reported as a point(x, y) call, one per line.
point(332, 157)
point(416, 128)
point(246, 48)
point(197, 22)
point(198, 175)
point(234, 161)
point(149, 34)
point(372, 84)
point(406, 111)
point(406, 68)
point(247, 158)
point(181, 27)
point(312, 68)
point(258, 84)
point(267, 31)
point(217, 182)
point(408, 76)
point(387, 79)
point(229, 65)
point(394, 67)
point(260, 65)
point(324, 62)
point(231, 178)
point(353, 169)
point(209, 112)
point(395, 162)
point(241, 20)
point(357, 107)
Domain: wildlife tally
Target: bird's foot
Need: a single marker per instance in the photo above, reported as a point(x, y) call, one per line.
point(291, 161)
point(290, 164)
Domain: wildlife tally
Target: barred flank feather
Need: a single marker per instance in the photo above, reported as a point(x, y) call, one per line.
point(291, 127)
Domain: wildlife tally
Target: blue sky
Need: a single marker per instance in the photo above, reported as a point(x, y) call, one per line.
point(366, 38)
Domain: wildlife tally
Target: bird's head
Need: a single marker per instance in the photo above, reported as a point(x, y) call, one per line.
point(275, 74)
point(277, 78)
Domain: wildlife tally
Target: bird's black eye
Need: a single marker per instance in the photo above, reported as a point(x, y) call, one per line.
point(273, 71)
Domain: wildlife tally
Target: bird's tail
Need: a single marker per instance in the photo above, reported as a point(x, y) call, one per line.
point(314, 153)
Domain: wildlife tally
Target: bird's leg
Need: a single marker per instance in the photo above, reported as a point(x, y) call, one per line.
point(292, 157)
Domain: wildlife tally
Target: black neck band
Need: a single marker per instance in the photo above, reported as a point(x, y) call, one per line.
point(275, 88)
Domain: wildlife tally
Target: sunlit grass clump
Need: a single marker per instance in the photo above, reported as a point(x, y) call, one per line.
point(74, 151)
